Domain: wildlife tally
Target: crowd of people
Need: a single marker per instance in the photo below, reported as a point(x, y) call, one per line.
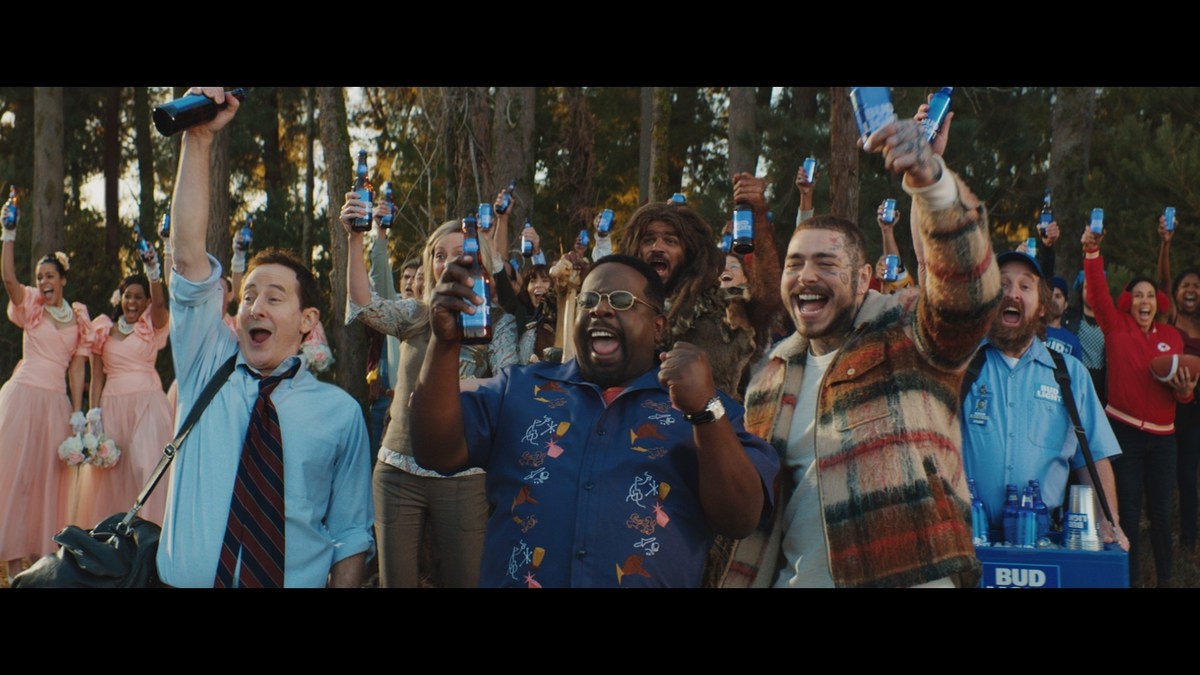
point(654, 411)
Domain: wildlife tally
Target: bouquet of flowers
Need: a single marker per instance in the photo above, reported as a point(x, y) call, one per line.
point(89, 448)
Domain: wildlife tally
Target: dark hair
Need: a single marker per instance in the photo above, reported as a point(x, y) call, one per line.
point(656, 291)
point(138, 279)
point(1139, 279)
point(131, 280)
point(412, 263)
point(523, 294)
point(50, 259)
point(858, 243)
point(705, 261)
point(310, 292)
point(1179, 280)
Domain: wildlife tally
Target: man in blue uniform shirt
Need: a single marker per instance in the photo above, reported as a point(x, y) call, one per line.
point(1015, 426)
point(616, 468)
point(234, 516)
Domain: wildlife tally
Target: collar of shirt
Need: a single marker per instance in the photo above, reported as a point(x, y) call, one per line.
point(1037, 352)
point(569, 373)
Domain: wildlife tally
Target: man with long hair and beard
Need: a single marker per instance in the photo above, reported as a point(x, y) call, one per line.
point(681, 248)
point(1015, 426)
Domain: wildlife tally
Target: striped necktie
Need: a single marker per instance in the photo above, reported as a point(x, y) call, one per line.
point(256, 513)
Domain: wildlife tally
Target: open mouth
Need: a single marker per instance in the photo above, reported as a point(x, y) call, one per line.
point(660, 265)
point(603, 342)
point(1144, 313)
point(809, 304)
point(259, 335)
point(1010, 316)
point(48, 292)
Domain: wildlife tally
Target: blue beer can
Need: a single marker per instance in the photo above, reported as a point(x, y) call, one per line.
point(679, 198)
point(872, 109)
point(485, 217)
point(1097, 221)
point(604, 223)
point(584, 239)
point(810, 169)
point(1031, 247)
point(892, 270)
point(1169, 215)
point(889, 210)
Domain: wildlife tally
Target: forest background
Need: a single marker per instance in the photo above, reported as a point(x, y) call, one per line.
point(88, 165)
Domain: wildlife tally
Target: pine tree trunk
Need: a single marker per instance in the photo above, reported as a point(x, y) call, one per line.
point(843, 156)
point(145, 158)
point(349, 342)
point(512, 135)
point(744, 140)
point(112, 176)
point(310, 172)
point(660, 122)
point(644, 145)
point(46, 194)
point(1070, 142)
point(219, 239)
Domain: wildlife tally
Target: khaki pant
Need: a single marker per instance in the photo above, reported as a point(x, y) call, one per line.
point(456, 510)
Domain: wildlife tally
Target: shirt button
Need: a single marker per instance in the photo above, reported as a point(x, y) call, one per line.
point(850, 371)
point(580, 553)
point(601, 431)
point(589, 485)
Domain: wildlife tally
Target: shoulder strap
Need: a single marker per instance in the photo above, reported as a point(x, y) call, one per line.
point(169, 452)
point(1064, 383)
point(972, 374)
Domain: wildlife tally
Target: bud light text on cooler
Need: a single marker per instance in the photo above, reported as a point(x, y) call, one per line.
point(1169, 217)
point(939, 106)
point(1097, 224)
point(476, 328)
point(743, 229)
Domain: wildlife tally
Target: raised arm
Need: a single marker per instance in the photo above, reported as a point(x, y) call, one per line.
point(8, 269)
point(190, 204)
point(765, 271)
point(962, 284)
point(158, 300)
point(1164, 265)
point(439, 442)
point(1098, 294)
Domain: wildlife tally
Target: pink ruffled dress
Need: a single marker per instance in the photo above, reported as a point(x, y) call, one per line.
point(35, 485)
point(135, 414)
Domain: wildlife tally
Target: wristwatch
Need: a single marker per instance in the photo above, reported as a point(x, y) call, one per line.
point(712, 412)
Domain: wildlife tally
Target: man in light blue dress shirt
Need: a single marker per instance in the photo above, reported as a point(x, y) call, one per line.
point(326, 461)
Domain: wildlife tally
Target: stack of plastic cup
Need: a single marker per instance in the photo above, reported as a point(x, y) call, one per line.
point(1080, 529)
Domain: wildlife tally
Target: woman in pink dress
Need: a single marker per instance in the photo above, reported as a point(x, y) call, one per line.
point(133, 409)
point(35, 412)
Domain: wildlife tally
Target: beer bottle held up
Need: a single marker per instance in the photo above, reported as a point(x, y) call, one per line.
point(476, 328)
point(11, 211)
point(189, 111)
point(366, 192)
point(506, 198)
